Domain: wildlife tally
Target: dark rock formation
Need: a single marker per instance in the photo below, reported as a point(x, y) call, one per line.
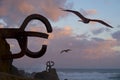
point(15, 71)
point(52, 75)
point(5, 65)
point(5, 76)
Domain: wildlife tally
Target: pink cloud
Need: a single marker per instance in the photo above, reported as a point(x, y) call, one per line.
point(26, 8)
point(88, 12)
point(58, 33)
point(52, 10)
point(3, 11)
point(91, 12)
point(100, 50)
point(1, 26)
point(84, 52)
point(15, 11)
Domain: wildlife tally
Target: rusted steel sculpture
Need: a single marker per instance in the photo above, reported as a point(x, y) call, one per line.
point(22, 35)
point(49, 65)
point(6, 57)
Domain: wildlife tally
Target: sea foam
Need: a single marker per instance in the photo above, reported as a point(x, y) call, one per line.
point(86, 75)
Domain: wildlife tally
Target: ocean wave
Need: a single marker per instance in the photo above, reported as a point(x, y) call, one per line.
point(86, 76)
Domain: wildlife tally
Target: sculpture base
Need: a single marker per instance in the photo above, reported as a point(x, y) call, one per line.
point(52, 75)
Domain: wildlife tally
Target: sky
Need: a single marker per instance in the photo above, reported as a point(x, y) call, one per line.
point(93, 45)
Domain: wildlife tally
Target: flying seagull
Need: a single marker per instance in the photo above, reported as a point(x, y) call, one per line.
point(66, 50)
point(87, 20)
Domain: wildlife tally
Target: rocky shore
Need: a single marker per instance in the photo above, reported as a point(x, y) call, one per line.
point(6, 76)
point(44, 75)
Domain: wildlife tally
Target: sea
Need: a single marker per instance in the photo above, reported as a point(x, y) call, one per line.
point(88, 74)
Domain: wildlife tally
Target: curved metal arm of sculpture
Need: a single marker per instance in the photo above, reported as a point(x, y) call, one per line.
point(15, 33)
point(41, 52)
point(37, 54)
point(22, 40)
point(23, 46)
point(48, 28)
point(21, 36)
point(39, 17)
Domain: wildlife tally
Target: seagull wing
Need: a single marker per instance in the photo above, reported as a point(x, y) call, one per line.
point(76, 13)
point(62, 51)
point(69, 50)
point(102, 22)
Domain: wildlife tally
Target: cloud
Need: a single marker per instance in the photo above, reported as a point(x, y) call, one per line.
point(15, 11)
point(59, 32)
point(26, 8)
point(3, 11)
point(82, 36)
point(118, 26)
point(100, 49)
point(98, 31)
point(1, 26)
point(52, 9)
point(83, 52)
point(91, 12)
point(88, 12)
point(2, 23)
point(116, 35)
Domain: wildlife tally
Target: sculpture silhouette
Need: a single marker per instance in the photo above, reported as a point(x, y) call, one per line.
point(49, 65)
point(87, 20)
point(6, 57)
point(5, 65)
point(22, 35)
